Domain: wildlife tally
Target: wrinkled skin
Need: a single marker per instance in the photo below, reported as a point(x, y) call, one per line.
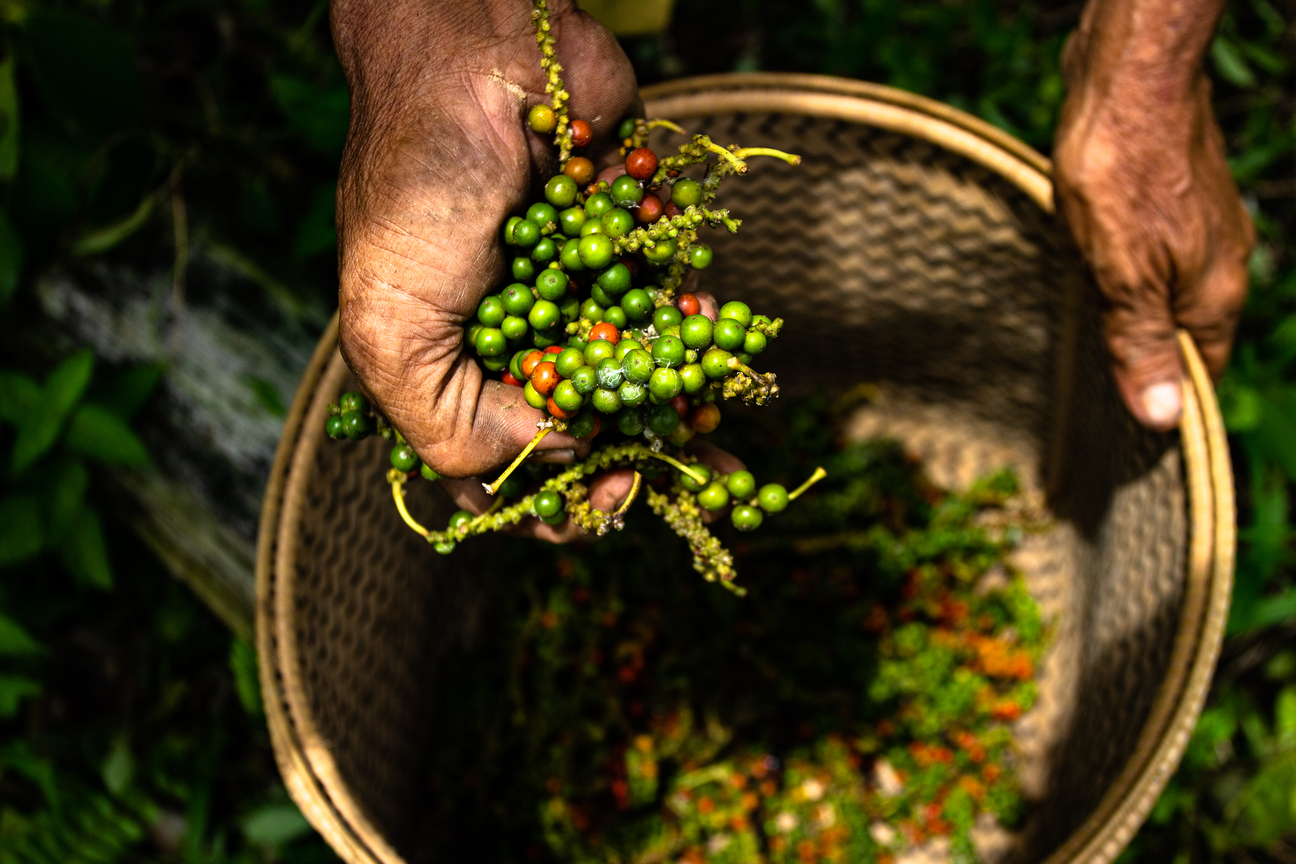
point(1142, 182)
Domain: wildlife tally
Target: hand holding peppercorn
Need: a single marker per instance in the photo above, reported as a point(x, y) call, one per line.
point(436, 157)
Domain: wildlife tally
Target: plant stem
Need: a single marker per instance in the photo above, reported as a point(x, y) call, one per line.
point(492, 488)
point(398, 495)
point(819, 474)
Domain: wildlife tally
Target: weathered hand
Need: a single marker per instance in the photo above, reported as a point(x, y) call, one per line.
point(1142, 182)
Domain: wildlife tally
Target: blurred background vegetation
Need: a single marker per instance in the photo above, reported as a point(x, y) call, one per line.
point(130, 723)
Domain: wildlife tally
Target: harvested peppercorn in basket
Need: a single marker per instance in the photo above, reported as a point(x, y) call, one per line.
point(613, 710)
point(596, 329)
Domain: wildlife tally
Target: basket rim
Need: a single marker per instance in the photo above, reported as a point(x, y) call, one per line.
point(302, 754)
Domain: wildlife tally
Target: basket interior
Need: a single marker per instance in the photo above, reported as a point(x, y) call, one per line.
point(949, 289)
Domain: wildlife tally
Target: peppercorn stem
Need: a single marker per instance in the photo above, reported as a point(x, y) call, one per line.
point(666, 124)
point(819, 474)
point(790, 158)
point(398, 495)
point(675, 463)
point(492, 488)
point(739, 166)
point(629, 499)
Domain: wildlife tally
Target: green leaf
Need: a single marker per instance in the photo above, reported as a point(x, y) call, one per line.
point(1230, 63)
point(96, 432)
point(118, 768)
point(14, 689)
point(38, 430)
point(267, 395)
point(11, 260)
point(97, 92)
point(18, 755)
point(1285, 718)
point(19, 395)
point(83, 551)
point(319, 114)
point(15, 641)
point(9, 119)
point(275, 824)
point(1241, 406)
point(20, 529)
point(64, 497)
point(127, 392)
point(247, 683)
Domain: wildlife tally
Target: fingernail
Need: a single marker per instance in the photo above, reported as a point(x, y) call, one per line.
point(1162, 402)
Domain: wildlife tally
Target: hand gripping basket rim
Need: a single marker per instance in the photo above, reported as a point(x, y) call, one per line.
point(302, 754)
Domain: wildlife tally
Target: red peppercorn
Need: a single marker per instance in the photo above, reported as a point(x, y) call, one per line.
point(688, 305)
point(555, 411)
point(510, 380)
point(606, 331)
point(545, 378)
point(579, 169)
point(650, 209)
point(671, 211)
point(681, 405)
point(530, 361)
point(641, 163)
point(581, 133)
point(553, 349)
point(705, 418)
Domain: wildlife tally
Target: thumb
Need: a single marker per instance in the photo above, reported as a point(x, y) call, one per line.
point(1145, 359)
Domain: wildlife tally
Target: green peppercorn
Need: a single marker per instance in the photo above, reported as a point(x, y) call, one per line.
point(605, 401)
point(356, 425)
point(626, 128)
point(665, 317)
point(458, 520)
point(609, 373)
point(548, 503)
point(638, 366)
point(695, 330)
point(509, 226)
point(512, 486)
point(662, 419)
point(693, 378)
point(729, 334)
point(592, 226)
point(668, 351)
point(591, 311)
point(404, 459)
point(629, 421)
point(556, 519)
point(333, 427)
point(570, 256)
point(352, 401)
point(570, 308)
point(596, 251)
point(571, 220)
point(584, 380)
point(686, 193)
point(568, 361)
point(491, 311)
point(615, 280)
point(747, 518)
point(534, 397)
point(617, 223)
point(444, 547)
point(544, 251)
point(665, 383)
point(700, 256)
point(599, 296)
point(615, 316)
point(772, 498)
point(526, 234)
point(582, 425)
point(552, 285)
point(692, 485)
point(567, 397)
point(542, 119)
point(560, 191)
point(523, 269)
point(494, 364)
point(754, 342)
point(542, 213)
point(544, 314)
point(513, 327)
point(741, 484)
point(633, 394)
point(715, 363)
point(738, 311)
point(597, 351)
point(517, 299)
point(428, 473)
point(596, 205)
point(714, 497)
point(660, 252)
point(545, 338)
point(626, 191)
point(637, 304)
point(625, 346)
point(490, 342)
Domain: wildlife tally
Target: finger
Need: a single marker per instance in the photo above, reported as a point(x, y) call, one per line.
point(1210, 312)
point(710, 307)
point(1145, 360)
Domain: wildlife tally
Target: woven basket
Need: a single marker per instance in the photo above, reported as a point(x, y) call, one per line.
point(924, 240)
